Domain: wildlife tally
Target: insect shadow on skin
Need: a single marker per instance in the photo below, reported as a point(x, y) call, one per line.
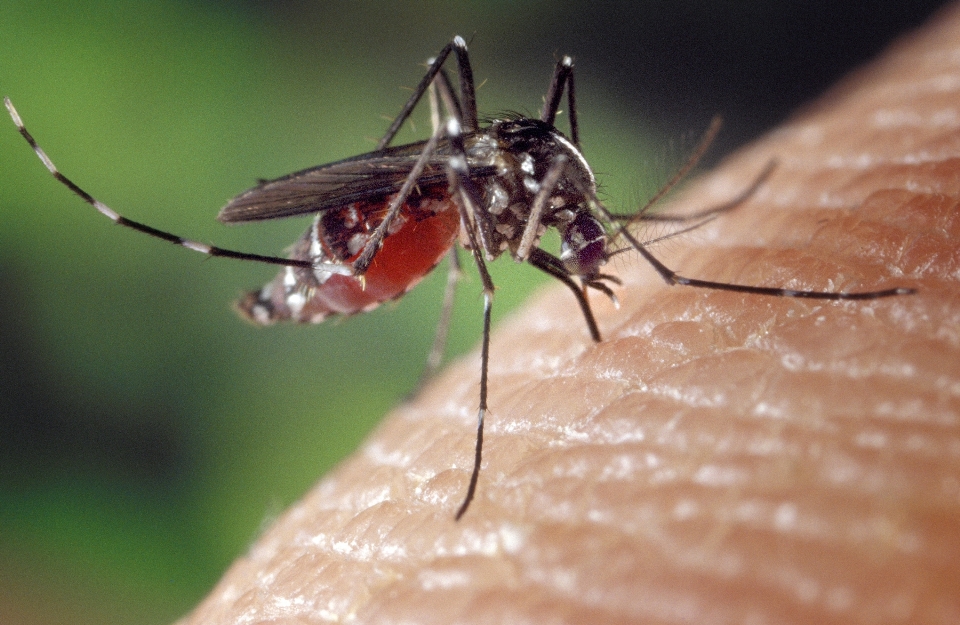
point(383, 220)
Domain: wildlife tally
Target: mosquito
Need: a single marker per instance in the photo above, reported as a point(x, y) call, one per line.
point(385, 219)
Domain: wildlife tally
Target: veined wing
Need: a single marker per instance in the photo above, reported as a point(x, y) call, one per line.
point(365, 177)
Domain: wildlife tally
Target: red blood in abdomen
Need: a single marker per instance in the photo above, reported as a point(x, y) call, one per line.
point(406, 256)
point(425, 230)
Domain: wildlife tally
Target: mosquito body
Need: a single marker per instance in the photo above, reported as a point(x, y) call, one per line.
point(384, 220)
point(505, 163)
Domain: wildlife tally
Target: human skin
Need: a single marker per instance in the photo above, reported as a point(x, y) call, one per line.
point(719, 457)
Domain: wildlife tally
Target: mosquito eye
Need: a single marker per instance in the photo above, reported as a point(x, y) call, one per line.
point(583, 248)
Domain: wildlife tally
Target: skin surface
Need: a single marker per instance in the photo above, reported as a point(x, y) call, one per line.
point(719, 458)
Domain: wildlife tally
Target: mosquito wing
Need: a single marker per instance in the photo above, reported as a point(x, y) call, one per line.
point(365, 177)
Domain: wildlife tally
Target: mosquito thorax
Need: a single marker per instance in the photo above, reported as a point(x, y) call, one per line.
point(523, 150)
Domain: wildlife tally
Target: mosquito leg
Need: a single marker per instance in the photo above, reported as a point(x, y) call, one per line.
point(481, 412)
point(468, 98)
point(468, 95)
point(488, 288)
point(454, 271)
point(472, 217)
point(415, 97)
point(572, 114)
point(671, 277)
point(435, 80)
point(532, 228)
point(552, 266)
point(118, 219)
point(562, 76)
point(476, 213)
point(362, 263)
point(551, 101)
point(442, 89)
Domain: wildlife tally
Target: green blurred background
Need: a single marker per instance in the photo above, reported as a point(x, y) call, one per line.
point(146, 433)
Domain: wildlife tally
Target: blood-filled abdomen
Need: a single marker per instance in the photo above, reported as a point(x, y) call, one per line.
point(422, 233)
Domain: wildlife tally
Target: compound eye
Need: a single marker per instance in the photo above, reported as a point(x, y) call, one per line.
point(583, 248)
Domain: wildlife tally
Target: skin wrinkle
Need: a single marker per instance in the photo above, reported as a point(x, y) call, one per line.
point(720, 457)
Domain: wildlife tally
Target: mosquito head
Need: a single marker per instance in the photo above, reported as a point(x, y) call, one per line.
point(583, 246)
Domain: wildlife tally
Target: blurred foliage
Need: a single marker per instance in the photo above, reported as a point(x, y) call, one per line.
point(146, 433)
